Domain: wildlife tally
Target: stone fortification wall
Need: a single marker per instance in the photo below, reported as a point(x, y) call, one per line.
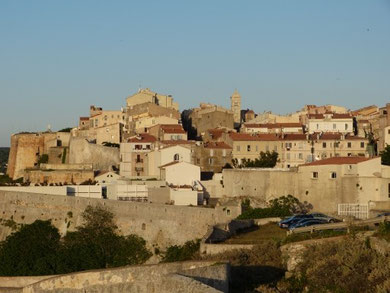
point(159, 224)
point(24, 153)
point(323, 194)
point(101, 157)
point(58, 176)
point(197, 277)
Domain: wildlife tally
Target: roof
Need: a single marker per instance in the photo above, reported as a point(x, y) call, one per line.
point(334, 116)
point(338, 161)
point(177, 142)
point(273, 125)
point(172, 128)
point(143, 137)
point(169, 164)
point(84, 118)
point(217, 145)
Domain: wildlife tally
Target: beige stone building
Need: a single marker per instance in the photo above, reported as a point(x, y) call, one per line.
point(209, 116)
point(213, 156)
point(142, 125)
point(330, 122)
point(168, 132)
point(272, 128)
point(148, 96)
point(296, 149)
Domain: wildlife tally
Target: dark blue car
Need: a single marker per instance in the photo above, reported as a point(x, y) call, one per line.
point(306, 223)
point(292, 220)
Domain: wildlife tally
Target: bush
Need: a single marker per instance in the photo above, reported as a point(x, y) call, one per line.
point(43, 159)
point(345, 266)
point(280, 207)
point(182, 252)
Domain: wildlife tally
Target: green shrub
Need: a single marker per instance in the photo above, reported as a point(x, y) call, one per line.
point(182, 252)
point(43, 159)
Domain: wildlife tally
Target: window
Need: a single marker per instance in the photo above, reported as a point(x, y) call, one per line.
point(224, 153)
point(388, 190)
point(362, 144)
point(318, 126)
point(324, 145)
point(257, 148)
point(349, 145)
point(346, 126)
point(288, 156)
point(211, 152)
point(334, 126)
point(333, 175)
point(336, 144)
point(314, 175)
point(248, 148)
point(210, 161)
point(238, 148)
point(267, 148)
point(300, 156)
point(176, 157)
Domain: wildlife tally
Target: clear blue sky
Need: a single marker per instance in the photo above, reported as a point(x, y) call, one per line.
point(59, 57)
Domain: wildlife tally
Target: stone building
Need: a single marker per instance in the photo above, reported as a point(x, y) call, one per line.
point(272, 128)
point(147, 96)
point(209, 116)
point(213, 156)
point(27, 149)
point(141, 116)
point(168, 132)
point(330, 122)
point(296, 149)
point(235, 101)
point(383, 133)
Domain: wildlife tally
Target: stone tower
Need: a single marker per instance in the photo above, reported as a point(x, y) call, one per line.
point(235, 100)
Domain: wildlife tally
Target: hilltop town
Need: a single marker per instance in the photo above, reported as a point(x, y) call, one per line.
point(171, 177)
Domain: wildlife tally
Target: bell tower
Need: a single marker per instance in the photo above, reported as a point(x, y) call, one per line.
point(235, 100)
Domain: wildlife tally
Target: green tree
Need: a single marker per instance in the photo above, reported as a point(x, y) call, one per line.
point(182, 252)
point(97, 244)
point(265, 160)
point(30, 251)
point(385, 155)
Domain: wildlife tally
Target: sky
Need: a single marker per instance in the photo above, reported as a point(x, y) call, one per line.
point(59, 57)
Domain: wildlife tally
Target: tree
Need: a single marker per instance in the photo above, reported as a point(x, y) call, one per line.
point(266, 160)
point(97, 244)
point(385, 155)
point(30, 251)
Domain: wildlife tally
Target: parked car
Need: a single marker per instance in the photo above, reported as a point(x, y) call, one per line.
point(384, 214)
point(292, 220)
point(324, 217)
point(306, 223)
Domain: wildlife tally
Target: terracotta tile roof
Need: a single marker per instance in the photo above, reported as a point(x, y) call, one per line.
point(217, 145)
point(338, 161)
point(177, 142)
point(172, 128)
point(315, 116)
point(273, 125)
point(294, 136)
point(84, 118)
point(216, 132)
point(143, 137)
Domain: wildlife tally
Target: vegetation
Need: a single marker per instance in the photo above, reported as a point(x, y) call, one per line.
point(5, 181)
point(266, 160)
point(182, 252)
point(251, 268)
point(94, 245)
point(63, 160)
point(4, 154)
point(350, 265)
point(385, 155)
point(384, 231)
point(68, 129)
point(110, 144)
point(280, 207)
point(43, 159)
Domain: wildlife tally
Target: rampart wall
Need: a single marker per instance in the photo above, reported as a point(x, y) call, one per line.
point(196, 277)
point(159, 224)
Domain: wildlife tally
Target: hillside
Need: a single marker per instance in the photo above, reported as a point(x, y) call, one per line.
point(4, 152)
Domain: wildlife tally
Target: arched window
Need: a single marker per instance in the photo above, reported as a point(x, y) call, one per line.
point(176, 157)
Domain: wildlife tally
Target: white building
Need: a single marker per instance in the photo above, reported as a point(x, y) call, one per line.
point(330, 122)
point(180, 173)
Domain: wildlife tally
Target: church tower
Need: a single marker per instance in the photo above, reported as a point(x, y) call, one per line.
point(235, 100)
